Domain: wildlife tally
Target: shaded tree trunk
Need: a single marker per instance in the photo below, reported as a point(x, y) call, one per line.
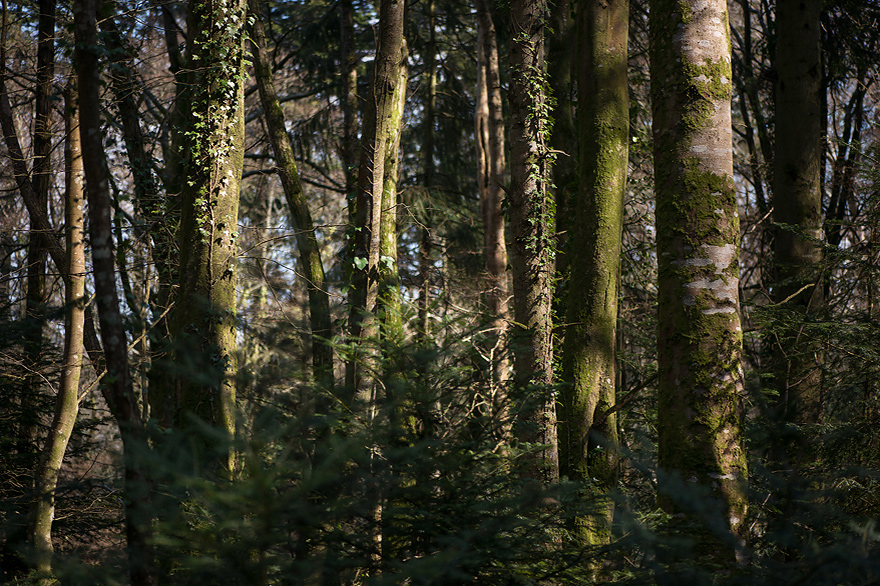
point(533, 238)
point(699, 337)
point(587, 424)
point(119, 391)
point(797, 204)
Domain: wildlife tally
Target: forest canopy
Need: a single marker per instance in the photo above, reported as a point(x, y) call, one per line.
point(439, 292)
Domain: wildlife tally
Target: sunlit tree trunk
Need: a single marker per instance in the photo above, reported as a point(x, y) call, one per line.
point(699, 337)
point(379, 132)
point(797, 205)
point(301, 218)
point(66, 403)
point(491, 168)
point(587, 426)
point(204, 324)
point(532, 236)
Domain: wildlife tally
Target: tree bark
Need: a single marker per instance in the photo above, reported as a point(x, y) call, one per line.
point(301, 217)
point(797, 205)
point(378, 131)
point(204, 324)
point(491, 170)
point(699, 337)
point(532, 244)
point(67, 401)
point(118, 381)
point(587, 425)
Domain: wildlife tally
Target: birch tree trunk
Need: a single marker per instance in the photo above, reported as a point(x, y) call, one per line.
point(699, 337)
point(533, 238)
point(587, 425)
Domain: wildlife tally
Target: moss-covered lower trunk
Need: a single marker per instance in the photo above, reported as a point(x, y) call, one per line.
point(204, 323)
point(699, 337)
point(587, 427)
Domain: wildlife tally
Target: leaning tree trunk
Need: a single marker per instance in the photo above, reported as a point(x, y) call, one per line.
point(67, 401)
point(699, 338)
point(797, 205)
point(587, 424)
point(204, 324)
point(301, 218)
point(532, 244)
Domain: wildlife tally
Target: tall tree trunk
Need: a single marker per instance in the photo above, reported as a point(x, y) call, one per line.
point(532, 227)
point(204, 323)
point(425, 243)
point(389, 277)
point(378, 131)
point(37, 244)
point(67, 401)
point(797, 203)
point(699, 337)
point(348, 98)
point(587, 425)
point(119, 393)
point(301, 218)
point(491, 168)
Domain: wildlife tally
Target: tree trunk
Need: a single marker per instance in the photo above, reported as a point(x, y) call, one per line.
point(35, 301)
point(587, 427)
point(67, 401)
point(532, 244)
point(379, 130)
point(699, 337)
point(119, 392)
point(491, 168)
point(797, 204)
point(301, 217)
point(204, 324)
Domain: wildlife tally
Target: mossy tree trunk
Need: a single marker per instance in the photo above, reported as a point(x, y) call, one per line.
point(426, 267)
point(67, 401)
point(532, 236)
point(699, 337)
point(491, 170)
point(587, 425)
point(366, 256)
point(797, 206)
point(204, 323)
point(301, 218)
